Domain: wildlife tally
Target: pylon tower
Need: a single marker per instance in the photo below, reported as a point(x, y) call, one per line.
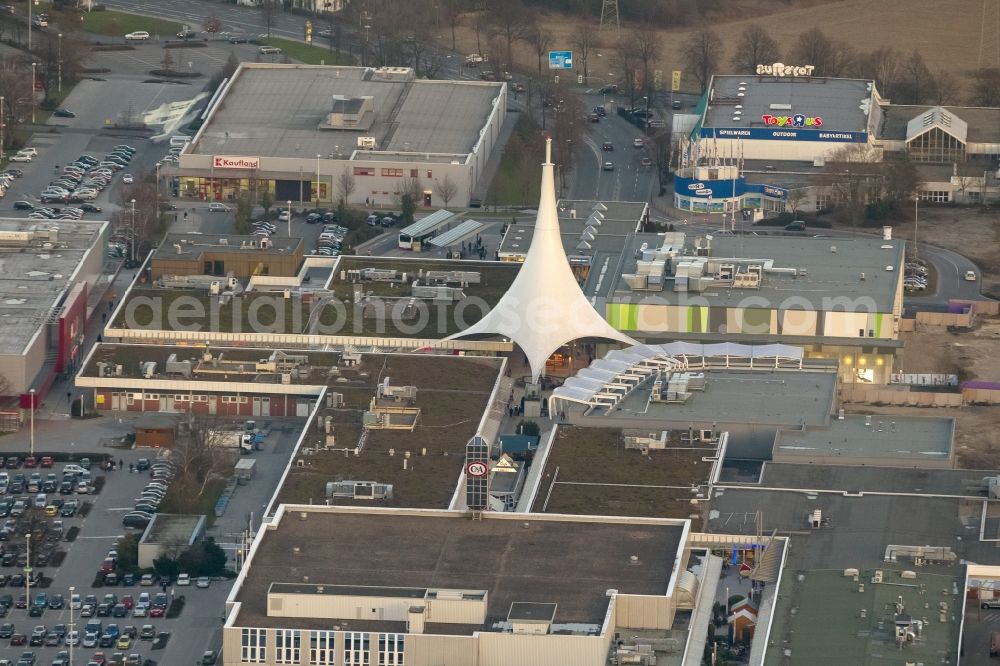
point(609, 15)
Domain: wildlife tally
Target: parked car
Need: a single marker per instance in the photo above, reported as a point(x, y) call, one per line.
point(269, 50)
point(139, 35)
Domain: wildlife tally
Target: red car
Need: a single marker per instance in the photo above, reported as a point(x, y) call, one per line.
point(47, 461)
point(99, 658)
point(31, 461)
point(156, 612)
point(18, 639)
point(127, 601)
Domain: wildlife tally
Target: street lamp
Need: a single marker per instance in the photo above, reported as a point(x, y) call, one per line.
point(31, 394)
point(157, 186)
point(72, 626)
point(33, 65)
point(29, 26)
point(133, 231)
point(916, 221)
point(289, 218)
point(317, 181)
point(60, 62)
point(2, 123)
point(27, 570)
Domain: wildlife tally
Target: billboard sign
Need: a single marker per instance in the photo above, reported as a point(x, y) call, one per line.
point(675, 80)
point(696, 186)
point(773, 133)
point(781, 69)
point(560, 60)
point(235, 162)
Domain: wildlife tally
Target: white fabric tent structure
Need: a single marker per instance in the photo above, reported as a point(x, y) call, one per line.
point(545, 307)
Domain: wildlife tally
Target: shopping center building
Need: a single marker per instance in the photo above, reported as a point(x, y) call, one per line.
point(312, 133)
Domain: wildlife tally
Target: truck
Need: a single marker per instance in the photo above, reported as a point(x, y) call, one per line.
point(244, 470)
point(231, 439)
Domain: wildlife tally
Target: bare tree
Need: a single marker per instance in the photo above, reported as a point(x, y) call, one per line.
point(268, 14)
point(756, 47)
point(199, 459)
point(917, 80)
point(446, 188)
point(701, 56)
point(568, 133)
point(985, 87)
point(814, 48)
point(662, 143)
point(627, 61)
point(453, 16)
point(540, 38)
point(345, 184)
point(854, 176)
point(480, 23)
point(882, 66)
point(647, 47)
point(584, 43)
point(946, 89)
point(509, 22)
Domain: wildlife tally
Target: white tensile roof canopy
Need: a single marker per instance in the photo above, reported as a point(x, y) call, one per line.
point(545, 307)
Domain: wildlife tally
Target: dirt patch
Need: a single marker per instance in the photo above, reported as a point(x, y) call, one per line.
point(632, 484)
point(971, 355)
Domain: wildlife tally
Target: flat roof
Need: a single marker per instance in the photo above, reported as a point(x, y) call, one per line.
point(336, 313)
point(841, 103)
point(755, 397)
point(984, 123)
point(822, 273)
point(171, 528)
point(519, 559)
point(35, 277)
point(926, 439)
point(186, 246)
point(275, 110)
point(861, 526)
point(599, 476)
point(817, 619)
point(610, 235)
point(855, 479)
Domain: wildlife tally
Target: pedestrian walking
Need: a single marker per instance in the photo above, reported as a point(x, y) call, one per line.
point(121, 463)
point(131, 468)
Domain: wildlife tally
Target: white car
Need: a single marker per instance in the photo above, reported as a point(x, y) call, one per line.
point(283, 216)
point(21, 157)
point(218, 208)
point(28, 151)
point(128, 179)
point(970, 276)
point(183, 579)
point(75, 603)
point(138, 35)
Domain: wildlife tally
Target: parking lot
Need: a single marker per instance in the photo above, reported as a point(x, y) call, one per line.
point(198, 628)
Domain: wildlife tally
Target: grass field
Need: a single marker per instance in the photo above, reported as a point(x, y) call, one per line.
point(310, 55)
point(118, 24)
point(518, 179)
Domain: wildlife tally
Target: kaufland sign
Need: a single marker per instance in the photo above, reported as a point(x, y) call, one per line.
point(233, 162)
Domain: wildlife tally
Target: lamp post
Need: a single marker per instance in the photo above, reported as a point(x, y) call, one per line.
point(916, 221)
point(27, 570)
point(31, 394)
point(157, 186)
point(72, 626)
point(60, 62)
point(317, 181)
point(29, 28)
point(289, 219)
point(2, 123)
point(33, 65)
point(133, 231)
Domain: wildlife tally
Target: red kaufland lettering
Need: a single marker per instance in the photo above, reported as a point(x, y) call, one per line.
point(224, 162)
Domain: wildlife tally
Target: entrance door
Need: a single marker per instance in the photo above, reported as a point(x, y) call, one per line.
point(166, 403)
point(116, 401)
point(265, 406)
point(256, 405)
point(301, 407)
point(427, 197)
point(212, 406)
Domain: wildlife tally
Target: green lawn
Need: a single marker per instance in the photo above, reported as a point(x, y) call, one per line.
point(117, 24)
point(518, 179)
point(310, 55)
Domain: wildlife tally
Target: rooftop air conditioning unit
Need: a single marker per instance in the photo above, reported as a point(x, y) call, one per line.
point(366, 142)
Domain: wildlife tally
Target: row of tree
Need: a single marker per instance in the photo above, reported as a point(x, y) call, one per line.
point(903, 78)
